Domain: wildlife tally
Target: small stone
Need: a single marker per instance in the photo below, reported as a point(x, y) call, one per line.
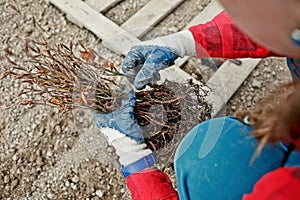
point(266, 62)
point(107, 169)
point(256, 73)
point(14, 184)
point(57, 129)
point(39, 161)
point(110, 149)
point(99, 193)
point(67, 183)
point(66, 194)
point(6, 179)
point(194, 75)
point(73, 186)
point(50, 195)
point(256, 84)
point(15, 157)
point(49, 153)
point(34, 126)
point(75, 179)
point(249, 98)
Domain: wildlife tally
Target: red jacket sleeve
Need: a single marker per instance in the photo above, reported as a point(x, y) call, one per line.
point(220, 37)
point(151, 184)
point(282, 183)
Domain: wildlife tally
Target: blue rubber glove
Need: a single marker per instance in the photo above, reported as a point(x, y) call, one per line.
point(122, 120)
point(124, 134)
point(144, 61)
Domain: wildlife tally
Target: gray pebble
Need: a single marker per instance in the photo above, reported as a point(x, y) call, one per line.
point(99, 193)
point(75, 179)
point(256, 83)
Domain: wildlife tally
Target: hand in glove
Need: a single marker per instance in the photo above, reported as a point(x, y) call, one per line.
point(145, 60)
point(125, 135)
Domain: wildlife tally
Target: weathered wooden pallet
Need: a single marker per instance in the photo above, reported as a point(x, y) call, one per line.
point(103, 5)
point(88, 14)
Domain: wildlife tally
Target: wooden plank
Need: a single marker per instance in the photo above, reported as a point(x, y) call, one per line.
point(206, 15)
point(102, 5)
point(148, 16)
point(112, 35)
point(226, 80)
point(176, 74)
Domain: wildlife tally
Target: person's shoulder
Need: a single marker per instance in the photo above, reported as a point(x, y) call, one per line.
point(226, 120)
point(225, 124)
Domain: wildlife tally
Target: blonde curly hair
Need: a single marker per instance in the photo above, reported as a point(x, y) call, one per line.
point(277, 117)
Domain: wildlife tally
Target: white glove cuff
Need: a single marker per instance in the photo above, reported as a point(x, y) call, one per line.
point(182, 42)
point(111, 134)
point(127, 149)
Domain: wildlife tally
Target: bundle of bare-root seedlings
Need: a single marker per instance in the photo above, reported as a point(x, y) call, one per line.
point(54, 75)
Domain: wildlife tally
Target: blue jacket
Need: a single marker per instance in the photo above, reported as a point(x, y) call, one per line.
point(213, 160)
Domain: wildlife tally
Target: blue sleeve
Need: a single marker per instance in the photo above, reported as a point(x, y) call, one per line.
point(294, 67)
point(213, 160)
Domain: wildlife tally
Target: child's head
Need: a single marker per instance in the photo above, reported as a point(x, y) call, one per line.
point(277, 117)
point(269, 22)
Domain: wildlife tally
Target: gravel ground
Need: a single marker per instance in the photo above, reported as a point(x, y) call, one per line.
point(44, 155)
